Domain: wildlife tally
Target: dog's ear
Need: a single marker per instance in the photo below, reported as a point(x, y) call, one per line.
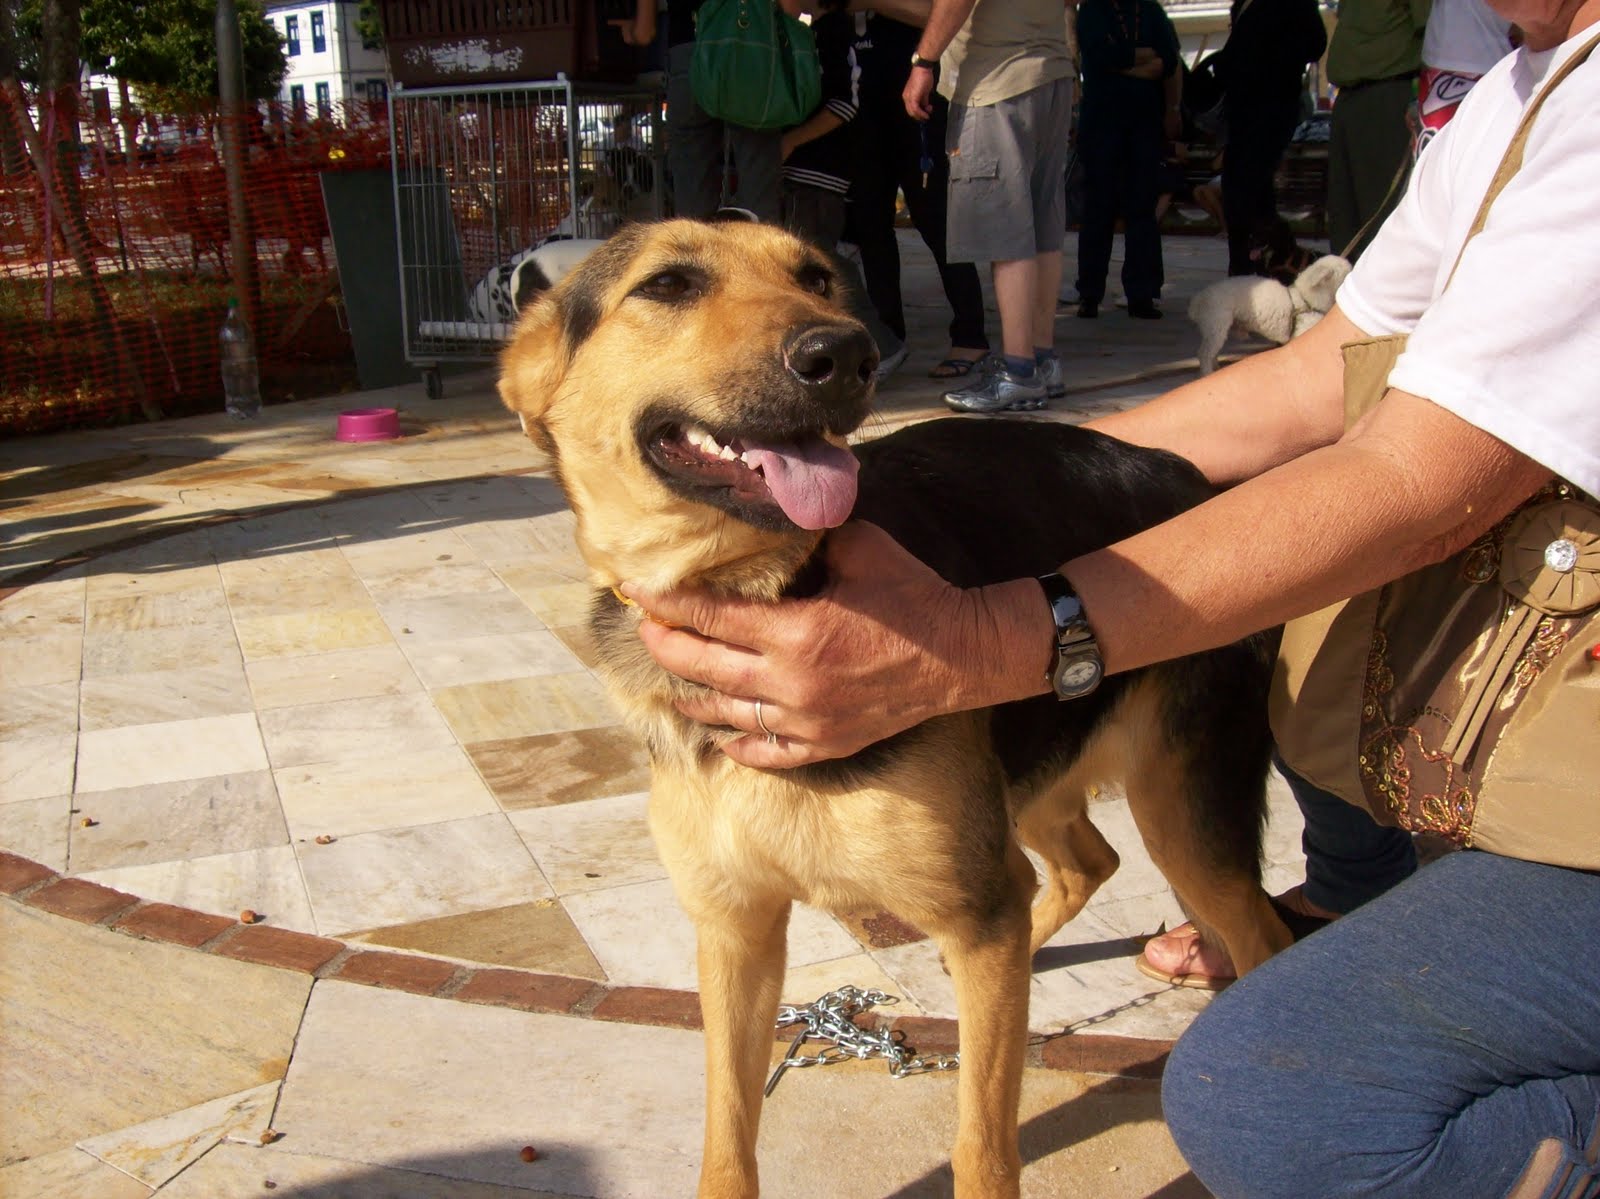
point(532, 366)
point(1320, 281)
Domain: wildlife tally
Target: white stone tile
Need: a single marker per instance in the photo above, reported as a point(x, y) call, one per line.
point(156, 1151)
point(34, 660)
point(454, 617)
point(455, 1090)
point(453, 662)
point(163, 753)
point(166, 822)
point(353, 728)
point(592, 845)
point(102, 1031)
point(68, 1174)
point(238, 1170)
point(394, 791)
point(49, 606)
point(267, 881)
point(661, 951)
point(400, 876)
point(27, 713)
point(379, 554)
point(158, 697)
point(326, 678)
point(38, 829)
point(806, 984)
point(435, 579)
point(174, 648)
point(34, 767)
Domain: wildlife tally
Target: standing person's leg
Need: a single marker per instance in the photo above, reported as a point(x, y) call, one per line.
point(1439, 1041)
point(870, 222)
point(991, 219)
point(1097, 147)
point(1142, 271)
point(758, 166)
point(1247, 191)
point(927, 203)
point(1383, 155)
point(694, 143)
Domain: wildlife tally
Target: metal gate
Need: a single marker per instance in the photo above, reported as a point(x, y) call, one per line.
point(484, 175)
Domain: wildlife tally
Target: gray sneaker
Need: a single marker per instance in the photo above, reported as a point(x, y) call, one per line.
point(1053, 377)
point(998, 390)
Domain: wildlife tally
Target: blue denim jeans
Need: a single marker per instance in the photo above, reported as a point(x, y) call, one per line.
point(1350, 858)
point(1424, 1045)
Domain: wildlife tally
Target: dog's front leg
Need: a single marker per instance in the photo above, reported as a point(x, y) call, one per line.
point(988, 959)
point(741, 959)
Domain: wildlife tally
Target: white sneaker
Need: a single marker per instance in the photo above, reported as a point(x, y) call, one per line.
point(887, 366)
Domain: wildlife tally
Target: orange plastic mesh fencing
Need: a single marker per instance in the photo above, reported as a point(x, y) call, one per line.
point(114, 278)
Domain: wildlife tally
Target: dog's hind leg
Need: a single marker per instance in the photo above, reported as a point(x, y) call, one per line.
point(987, 955)
point(741, 960)
point(1077, 860)
point(1196, 783)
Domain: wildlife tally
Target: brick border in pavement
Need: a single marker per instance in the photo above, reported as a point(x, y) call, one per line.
point(37, 886)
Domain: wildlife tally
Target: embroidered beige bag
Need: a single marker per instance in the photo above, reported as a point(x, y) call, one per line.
point(1464, 698)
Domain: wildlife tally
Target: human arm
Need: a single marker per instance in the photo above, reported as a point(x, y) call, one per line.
point(819, 124)
point(641, 29)
point(945, 19)
point(886, 644)
point(911, 12)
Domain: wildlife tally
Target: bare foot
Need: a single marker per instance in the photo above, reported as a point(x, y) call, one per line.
point(1183, 957)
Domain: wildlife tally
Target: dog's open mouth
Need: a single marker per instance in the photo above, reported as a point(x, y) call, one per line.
point(812, 480)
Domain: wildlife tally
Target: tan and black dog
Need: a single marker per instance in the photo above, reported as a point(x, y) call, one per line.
point(694, 385)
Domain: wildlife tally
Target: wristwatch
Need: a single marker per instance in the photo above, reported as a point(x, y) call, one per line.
point(1076, 669)
point(918, 61)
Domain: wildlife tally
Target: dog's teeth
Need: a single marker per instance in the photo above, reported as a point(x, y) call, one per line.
point(727, 455)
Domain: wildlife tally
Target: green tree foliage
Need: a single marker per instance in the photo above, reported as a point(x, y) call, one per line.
point(167, 49)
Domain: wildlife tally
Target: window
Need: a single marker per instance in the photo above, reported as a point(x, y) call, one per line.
point(324, 100)
point(297, 97)
point(377, 90)
point(319, 33)
point(291, 35)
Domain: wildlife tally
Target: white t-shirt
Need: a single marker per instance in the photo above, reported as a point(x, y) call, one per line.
point(1464, 35)
point(1514, 345)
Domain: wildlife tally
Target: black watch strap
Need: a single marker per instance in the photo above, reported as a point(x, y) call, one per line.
point(917, 60)
point(1075, 669)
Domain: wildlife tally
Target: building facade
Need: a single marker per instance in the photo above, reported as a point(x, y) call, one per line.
point(330, 64)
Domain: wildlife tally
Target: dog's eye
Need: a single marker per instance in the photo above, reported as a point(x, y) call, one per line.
point(816, 279)
point(671, 285)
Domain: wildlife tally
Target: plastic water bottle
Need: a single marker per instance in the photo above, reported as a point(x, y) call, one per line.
point(241, 383)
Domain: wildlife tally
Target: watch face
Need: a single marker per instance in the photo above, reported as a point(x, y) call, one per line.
point(1078, 675)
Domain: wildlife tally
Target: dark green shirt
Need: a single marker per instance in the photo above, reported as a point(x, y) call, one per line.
point(1376, 39)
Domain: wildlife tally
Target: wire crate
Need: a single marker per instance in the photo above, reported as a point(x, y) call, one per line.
point(484, 175)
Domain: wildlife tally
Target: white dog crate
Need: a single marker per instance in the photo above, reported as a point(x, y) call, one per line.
point(485, 175)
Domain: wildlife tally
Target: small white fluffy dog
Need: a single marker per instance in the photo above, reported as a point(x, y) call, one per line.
point(1266, 307)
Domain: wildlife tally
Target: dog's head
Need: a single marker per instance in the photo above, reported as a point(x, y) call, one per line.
point(1319, 283)
point(1276, 253)
point(694, 383)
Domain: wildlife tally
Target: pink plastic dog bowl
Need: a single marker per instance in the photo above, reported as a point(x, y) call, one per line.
point(368, 424)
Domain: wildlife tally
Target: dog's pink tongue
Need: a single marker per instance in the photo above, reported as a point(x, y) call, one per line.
point(814, 483)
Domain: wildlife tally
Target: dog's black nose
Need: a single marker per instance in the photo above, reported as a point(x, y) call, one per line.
point(834, 363)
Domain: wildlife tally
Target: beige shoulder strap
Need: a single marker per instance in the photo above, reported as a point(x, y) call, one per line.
point(1367, 362)
point(1512, 162)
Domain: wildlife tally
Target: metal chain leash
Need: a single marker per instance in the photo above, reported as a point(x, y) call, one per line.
point(831, 1018)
